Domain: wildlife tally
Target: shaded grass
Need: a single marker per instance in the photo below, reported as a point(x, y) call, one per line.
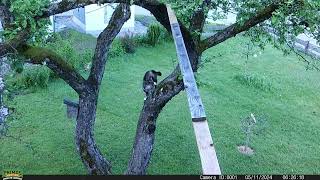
point(288, 146)
point(256, 81)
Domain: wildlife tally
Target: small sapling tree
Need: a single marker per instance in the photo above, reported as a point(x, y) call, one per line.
point(251, 125)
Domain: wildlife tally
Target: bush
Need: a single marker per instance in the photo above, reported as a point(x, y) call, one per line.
point(128, 43)
point(165, 35)
point(65, 50)
point(32, 76)
point(156, 33)
point(153, 34)
point(65, 46)
point(116, 48)
point(87, 58)
point(17, 64)
point(76, 48)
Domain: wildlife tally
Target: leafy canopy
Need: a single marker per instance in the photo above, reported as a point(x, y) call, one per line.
point(24, 12)
point(293, 17)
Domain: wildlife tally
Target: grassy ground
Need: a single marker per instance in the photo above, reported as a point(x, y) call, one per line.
point(278, 87)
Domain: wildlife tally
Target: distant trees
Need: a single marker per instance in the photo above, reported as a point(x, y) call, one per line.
point(24, 22)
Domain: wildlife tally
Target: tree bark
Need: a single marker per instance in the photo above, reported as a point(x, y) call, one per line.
point(145, 133)
point(90, 155)
point(165, 91)
point(88, 90)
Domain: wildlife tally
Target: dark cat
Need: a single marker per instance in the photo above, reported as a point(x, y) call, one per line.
point(150, 81)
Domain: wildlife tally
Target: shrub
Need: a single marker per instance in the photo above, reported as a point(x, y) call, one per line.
point(140, 40)
point(87, 57)
point(116, 48)
point(165, 35)
point(156, 33)
point(17, 64)
point(66, 46)
point(128, 43)
point(32, 76)
point(153, 34)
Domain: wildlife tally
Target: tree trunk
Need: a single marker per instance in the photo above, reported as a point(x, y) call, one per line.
point(144, 141)
point(90, 154)
point(145, 134)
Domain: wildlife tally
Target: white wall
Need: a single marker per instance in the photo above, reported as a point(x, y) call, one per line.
point(95, 17)
point(141, 11)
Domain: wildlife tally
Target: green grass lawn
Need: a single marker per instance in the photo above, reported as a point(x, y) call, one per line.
point(282, 90)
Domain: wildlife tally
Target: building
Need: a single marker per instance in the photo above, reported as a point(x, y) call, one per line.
point(92, 19)
point(73, 19)
point(97, 18)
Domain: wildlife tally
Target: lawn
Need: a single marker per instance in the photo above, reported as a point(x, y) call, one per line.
point(41, 138)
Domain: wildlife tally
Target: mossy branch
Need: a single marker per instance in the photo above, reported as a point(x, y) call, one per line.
point(44, 56)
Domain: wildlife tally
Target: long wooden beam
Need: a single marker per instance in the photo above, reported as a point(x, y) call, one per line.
point(209, 160)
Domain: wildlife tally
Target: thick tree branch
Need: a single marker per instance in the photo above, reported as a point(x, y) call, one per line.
point(198, 19)
point(238, 27)
point(56, 63)
point(119, 17)
point(66, 5)
point(12, 45)
point(38, 55)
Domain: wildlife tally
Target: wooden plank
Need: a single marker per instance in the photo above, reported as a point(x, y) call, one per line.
point(206, 149)
point(209, 160)
point(195, 103)
point(172, 16)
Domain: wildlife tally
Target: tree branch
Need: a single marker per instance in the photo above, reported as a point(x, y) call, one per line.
point(198, 19)
point(119, 17)
point(36, 54)
point(66, 5)
point(56, 63)
point(238, 27)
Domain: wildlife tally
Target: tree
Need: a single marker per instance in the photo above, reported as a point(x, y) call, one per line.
point(87, 89)
point(287, 17)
